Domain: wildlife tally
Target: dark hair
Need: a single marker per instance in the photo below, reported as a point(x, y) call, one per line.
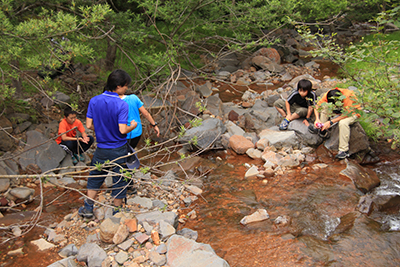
point(117, 78)
point(332, 95)
point(68, 111)
point(305, 85)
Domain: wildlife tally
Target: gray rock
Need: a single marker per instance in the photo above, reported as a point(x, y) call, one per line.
point(306, 138)
point(205, 89)
point(188, 233)
point(45, 155)
point(154, 103)
point(142, 201)
point(233, 129)
point(166, 229)
point(162, 248)
point(92, 254)
point(69, 250)
point(68, 262)
point(214, 105)
point(208, 134)
point(157, 258)
point(126, 244)
point(280, 139)
point(4, 183)
point(121, 257)
point(22, 193)
point(183, 252)
point(159, 204)
point(155, 217)
point(42, 244)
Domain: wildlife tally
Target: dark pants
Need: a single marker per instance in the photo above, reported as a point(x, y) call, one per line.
point(134, 141)
point(102, 155)
point(73, 145)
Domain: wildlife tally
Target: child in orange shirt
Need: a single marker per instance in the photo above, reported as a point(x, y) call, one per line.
point(68, 140)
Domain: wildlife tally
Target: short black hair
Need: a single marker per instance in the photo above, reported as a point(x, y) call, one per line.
point(68, 111)
point(305, 85)
point(117, 78)
point(333, 95)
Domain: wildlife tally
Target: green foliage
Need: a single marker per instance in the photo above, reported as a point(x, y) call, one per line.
point(373, 67)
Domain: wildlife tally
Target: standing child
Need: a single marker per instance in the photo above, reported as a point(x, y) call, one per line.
point(107, 115)
point(68, 141)
point(135, 105)
point(299, 104)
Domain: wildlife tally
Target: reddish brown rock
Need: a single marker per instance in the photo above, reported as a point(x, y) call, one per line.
point(240, 144)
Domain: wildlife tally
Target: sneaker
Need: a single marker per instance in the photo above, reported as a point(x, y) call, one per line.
point(284, 125)
point(80, 157)
point(86, 213)
point(324, 134)
point(312, 129)
point(343, 154)
point(74, 160)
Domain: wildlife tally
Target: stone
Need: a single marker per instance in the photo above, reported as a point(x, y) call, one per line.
point(364, 179)
point(69, 250)
point(121, 234)
point(92, 254)
point(186, 252)
point(21, 193)
point(193, 189)
point(70, 262)
point(131, 224)
point(108, 228)
point(144, 202)
point(188, 233)
point(155, 217)
point(141, 237)
point(254, 153)
point(259, 215)
point(155, 237)
point(252, 172)
point(166, 229)
point(121, 257)
point(42, 244)
point(157, 258)
point(240, 144)
point(207, 134)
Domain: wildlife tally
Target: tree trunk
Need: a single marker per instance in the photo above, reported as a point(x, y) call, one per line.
point(16, 82)
point(111, 56)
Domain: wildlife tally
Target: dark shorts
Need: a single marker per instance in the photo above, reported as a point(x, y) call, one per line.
point(119, 183)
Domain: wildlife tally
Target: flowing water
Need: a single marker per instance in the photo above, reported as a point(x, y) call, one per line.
point(313, 218)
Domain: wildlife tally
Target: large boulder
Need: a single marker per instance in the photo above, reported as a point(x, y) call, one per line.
point(358, 139)
point(364, 179)
point(208, 134)
point(45, 153)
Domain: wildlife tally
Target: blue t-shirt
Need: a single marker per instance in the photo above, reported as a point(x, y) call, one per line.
point(134, 105)
point(107, 111)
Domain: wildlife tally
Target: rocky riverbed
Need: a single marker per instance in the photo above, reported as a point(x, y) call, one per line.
point(150, 230)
